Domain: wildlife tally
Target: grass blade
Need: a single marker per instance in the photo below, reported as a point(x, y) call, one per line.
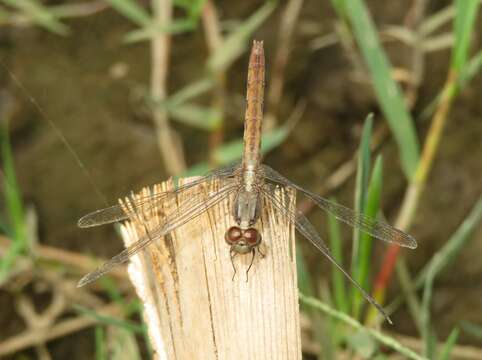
point(362, 344)
point(189, 92)
point(112, 291)
point(193, 10)
point(122, 344)
point(362, 174)
point(468, 73)
point(434, 22)
point(111, 321)
point(459, 240)
point(13, 202)
point(340, 7)
point(196, 116)
point(466, 11)
point(472, 329)
point(449, 344)
point(387, 91)
point(305, 283)
point(439, 261)
point(231, 152)
point(340, 295)
point(377, 335)
point(39, 14)
point(132, 11)
point(235, 43)
point(178, 26)
point(193, 115)
point(362, 270)
point(100, 352)
point(470, 70)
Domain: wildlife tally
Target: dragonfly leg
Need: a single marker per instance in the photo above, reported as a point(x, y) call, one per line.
point(232, 254)
point(253, 253)
point(262, 254)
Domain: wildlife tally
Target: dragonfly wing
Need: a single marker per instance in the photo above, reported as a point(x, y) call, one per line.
point(103, 216)
point(376, 228)
point(304, 227)
point(116, 213)
point(185, 212)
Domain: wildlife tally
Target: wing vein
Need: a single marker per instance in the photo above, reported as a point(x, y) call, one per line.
point(304, 227)
point(376, 228)
point(187, 211)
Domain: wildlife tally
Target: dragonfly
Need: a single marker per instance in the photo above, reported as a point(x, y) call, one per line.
point(249, 183)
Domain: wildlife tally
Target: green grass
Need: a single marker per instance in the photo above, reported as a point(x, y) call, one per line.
point(237, 42)
point(14, 224)
point(341, 299)
point(100, 352)
point(375, 334)
point(367, 194)
point(39, 14)
point(466, 12)
point(449, 344)
point(363, 263)
point(387, 90)
point(232, 151)
point(362, 176)
point(132, 11)
point(471, 329)
point(111, 321)
point(440, 261)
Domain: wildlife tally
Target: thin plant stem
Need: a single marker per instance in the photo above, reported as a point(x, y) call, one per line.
point(412, 198)
point(288, 21)
point(169, 144)
point(214, 40)
point(382, 338)
point(414, 21)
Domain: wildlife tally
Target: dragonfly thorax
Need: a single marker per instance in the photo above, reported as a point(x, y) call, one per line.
point(247, 208)
point(249, 176)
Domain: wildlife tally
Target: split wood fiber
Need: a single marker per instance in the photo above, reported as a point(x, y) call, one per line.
point(193, 308)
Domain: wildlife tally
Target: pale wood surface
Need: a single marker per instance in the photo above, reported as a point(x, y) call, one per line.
point(193, 308)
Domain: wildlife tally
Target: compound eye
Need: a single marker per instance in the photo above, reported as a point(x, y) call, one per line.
point(232, 235)
point(252, 236)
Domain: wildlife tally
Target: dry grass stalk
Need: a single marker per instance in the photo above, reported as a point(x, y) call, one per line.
point(34, 337)
point(192, 306)
point(169, 141)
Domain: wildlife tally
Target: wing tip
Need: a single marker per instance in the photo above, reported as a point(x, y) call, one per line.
point(90, 277)
point(412, 243)
point(83, 222)
point(88, 221)
point(83, 281)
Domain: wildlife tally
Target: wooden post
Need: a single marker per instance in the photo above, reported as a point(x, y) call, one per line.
point(192, 306)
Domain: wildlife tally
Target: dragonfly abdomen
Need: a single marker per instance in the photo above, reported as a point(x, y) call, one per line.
point(254, 106)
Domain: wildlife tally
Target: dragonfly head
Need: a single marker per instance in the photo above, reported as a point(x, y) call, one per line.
point(242, 241)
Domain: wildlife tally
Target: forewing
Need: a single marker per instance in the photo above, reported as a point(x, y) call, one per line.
point(304, 227)
point(182, 214)
point(376, 228)
point(116, 213)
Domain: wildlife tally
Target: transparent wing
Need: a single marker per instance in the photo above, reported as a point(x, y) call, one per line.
point(116, 213)
point(184, 213)
point(376, 228)
point(304, 227)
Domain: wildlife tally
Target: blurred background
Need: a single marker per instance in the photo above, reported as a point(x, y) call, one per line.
point(98, 98)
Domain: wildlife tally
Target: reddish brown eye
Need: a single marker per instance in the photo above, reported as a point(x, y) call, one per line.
point(252, 236)
point(233, 235)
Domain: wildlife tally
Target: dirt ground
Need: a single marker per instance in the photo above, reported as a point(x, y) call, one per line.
point(73, 81)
